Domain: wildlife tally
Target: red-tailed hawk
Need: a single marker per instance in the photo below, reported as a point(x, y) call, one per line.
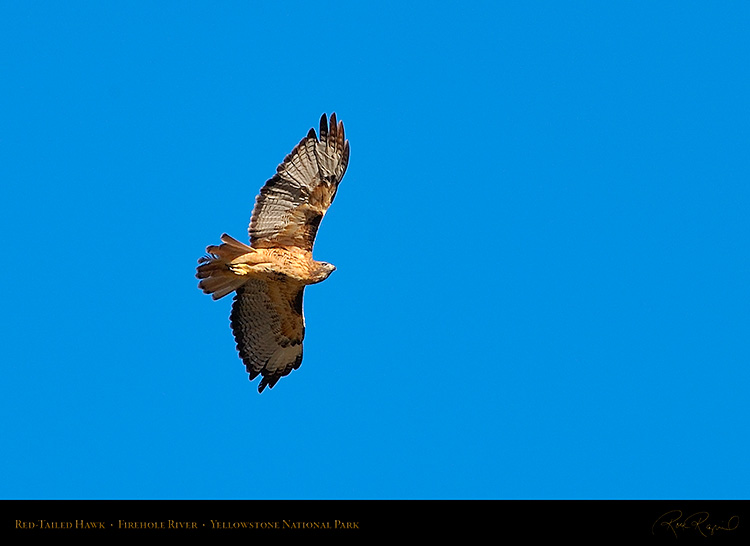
point(270, 275)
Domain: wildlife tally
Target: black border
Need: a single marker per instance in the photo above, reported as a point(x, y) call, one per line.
point(671, 521)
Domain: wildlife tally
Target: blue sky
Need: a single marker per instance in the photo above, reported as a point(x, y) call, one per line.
point(541, 241)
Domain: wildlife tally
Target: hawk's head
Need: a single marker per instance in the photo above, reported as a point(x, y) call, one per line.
point(323, 271)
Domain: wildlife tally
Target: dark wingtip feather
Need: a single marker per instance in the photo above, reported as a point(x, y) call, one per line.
point(267, 381)
point(323, 126)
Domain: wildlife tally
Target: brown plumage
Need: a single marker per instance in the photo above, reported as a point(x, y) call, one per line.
point(270, 275)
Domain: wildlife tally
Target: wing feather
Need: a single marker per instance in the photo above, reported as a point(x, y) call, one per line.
point(269, 326)
point(292, 203)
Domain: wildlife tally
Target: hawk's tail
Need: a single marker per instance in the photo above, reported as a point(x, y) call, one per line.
point(216, 271)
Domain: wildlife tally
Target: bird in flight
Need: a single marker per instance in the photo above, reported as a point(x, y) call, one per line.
point(269, 276)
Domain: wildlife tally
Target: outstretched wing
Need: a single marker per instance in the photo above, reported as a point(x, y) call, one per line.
point(269, 327)
point(292, 203)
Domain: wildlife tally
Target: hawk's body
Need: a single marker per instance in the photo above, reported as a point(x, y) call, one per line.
point(270, 275)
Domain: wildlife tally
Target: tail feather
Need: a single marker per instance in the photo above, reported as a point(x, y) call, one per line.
point(230, 241)
point(215, 270)
point(220, 285)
